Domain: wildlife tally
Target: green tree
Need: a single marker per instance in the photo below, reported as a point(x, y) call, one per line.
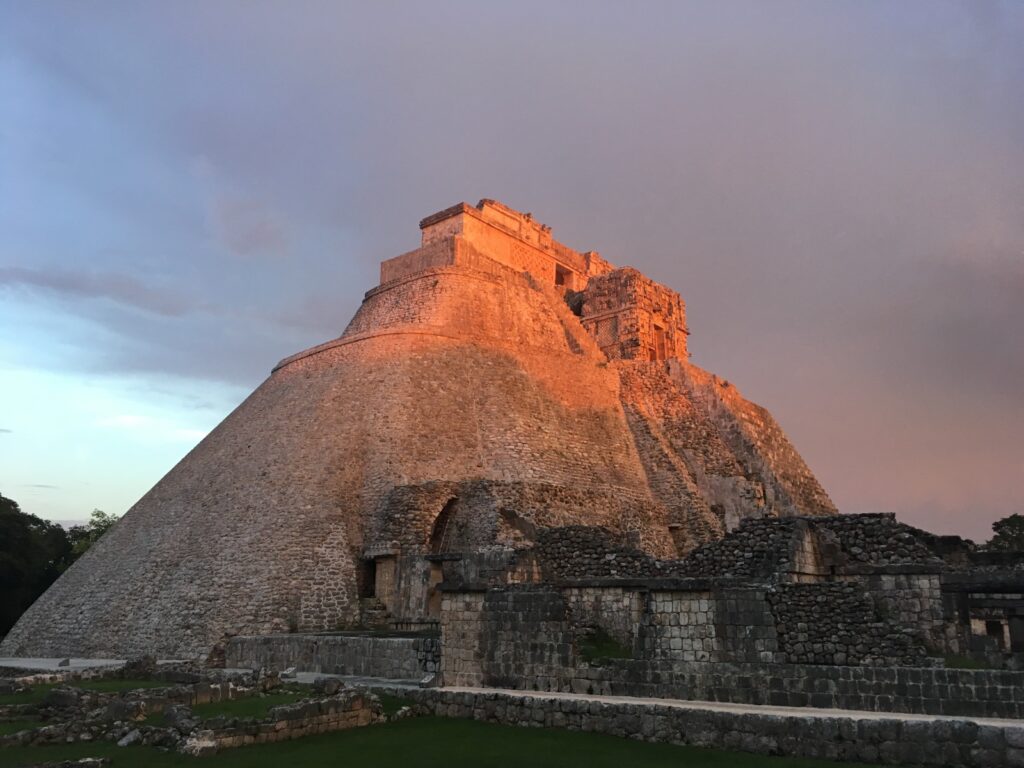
point(84, 536)
point(1009, 534)
point(33, 552)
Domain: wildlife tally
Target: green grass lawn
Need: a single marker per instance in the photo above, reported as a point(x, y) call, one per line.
point(13, 726)
point(249, 706)
point(392, 703)
point(429, 742)
point(258, 706)
point(964, 662)
point(38, 692)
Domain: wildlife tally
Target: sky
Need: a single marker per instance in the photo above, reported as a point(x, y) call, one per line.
point(191, 191)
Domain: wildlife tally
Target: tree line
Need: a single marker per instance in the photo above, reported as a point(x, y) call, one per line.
point(34, 552)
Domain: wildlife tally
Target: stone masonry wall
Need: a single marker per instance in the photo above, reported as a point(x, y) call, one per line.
point(462, 624)
point(838, 623)
point(348, 709)
point(402, 658)
point(912, 600)
point(717, 643)
point(758, 549)
point(888, 741)
point(878, 539)
point(714, 625)
point(498, 648)
point(502, 637)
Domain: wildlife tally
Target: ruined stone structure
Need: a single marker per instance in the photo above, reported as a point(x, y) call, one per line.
point(496, 384)
point(849, 612)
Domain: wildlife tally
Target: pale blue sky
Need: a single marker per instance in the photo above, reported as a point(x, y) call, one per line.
point(190, 191)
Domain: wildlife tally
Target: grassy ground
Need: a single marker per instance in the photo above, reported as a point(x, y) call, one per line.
point(965, 662)
point(13, 726)
point(249, 706)
point(429, 743)
point(38, 692)
point(392, 703)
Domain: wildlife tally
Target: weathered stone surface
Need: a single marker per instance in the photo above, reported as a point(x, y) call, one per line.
point(465, 406)
point(113, 717)
point(404, 658)
point(703, 639)
point(892, 741)
point(837, 623)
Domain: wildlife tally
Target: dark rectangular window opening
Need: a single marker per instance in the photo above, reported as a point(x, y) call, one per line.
point(369, 578)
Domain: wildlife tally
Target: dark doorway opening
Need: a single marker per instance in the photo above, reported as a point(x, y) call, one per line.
point(1016, 634)
point(368, 579)
point(562, 275)
point(660, 351)
point(995, 629)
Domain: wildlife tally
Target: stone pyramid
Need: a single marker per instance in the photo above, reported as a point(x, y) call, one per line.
point(496, 383)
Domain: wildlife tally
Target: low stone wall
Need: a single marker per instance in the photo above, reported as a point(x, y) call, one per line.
point(914, 690)
point(396, 658)
point(886, 741)
point(537, 661)
point(349, 709)
point(493, 636)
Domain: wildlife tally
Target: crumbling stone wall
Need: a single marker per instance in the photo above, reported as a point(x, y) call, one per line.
point(878, 539)
point(348, 709)
point(757, 549)
point(816, 546)
point(488, 639)
point(838, 623)
point(758, 442)
point(583, 552)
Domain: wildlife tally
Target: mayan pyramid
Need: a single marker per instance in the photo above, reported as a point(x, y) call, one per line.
point(495, 383)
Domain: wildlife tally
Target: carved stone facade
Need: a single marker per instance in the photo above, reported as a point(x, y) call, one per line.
point(634, 318)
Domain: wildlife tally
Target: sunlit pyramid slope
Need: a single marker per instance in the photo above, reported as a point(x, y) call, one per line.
point(495, 383)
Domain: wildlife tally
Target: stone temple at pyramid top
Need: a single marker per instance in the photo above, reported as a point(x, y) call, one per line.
point(629, 315)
